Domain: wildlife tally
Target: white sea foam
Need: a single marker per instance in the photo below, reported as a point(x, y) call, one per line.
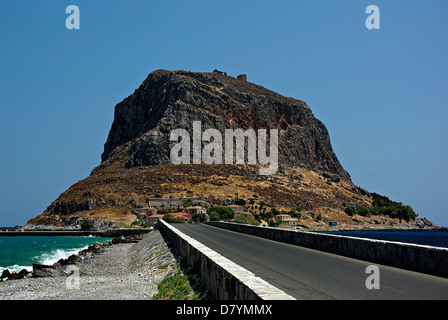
point(45, 258)
point(56, 255)
point(16, 268)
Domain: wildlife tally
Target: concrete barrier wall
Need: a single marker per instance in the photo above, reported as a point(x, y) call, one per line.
point(421, 258)
point(225, 279)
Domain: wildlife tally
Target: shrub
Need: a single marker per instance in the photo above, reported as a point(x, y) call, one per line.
point(223, 212)
point(198, 216)
point(245, 220)
point(214, 216)
point(363, 211)
point(171, 219)
point(86, 224)
point(173, 288)
point(293, 213)
point(240, 202)
point(350, 211)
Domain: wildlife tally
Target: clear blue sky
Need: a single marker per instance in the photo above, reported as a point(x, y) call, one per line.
point(381, 93)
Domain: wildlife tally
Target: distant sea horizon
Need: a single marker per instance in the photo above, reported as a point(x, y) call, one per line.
point(430, 237)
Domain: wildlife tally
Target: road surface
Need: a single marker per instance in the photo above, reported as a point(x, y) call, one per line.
point(311, 274)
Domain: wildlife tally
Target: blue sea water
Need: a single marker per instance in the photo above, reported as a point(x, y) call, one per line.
point(20, 252)
point(437, 238)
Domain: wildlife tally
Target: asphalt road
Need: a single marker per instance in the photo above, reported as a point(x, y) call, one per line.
point(310, 274)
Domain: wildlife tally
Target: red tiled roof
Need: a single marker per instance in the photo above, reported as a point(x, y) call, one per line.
point(182, 214)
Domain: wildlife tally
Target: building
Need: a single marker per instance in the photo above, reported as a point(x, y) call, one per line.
point(236, 207)
point(142, 216)
point(151, 220)
point(151, 210)
point(196, 209)
point(184, 215)
point(242, 77)
point(285, 220)
point(169, 203)
point(220, 72)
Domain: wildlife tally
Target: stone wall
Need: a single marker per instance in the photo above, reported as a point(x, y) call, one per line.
point(169, 202)
point(420, 258)
point(225, 279)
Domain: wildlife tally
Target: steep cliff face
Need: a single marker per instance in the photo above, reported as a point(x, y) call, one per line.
point(140, 133)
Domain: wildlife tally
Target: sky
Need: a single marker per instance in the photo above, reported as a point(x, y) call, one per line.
point(382, 93)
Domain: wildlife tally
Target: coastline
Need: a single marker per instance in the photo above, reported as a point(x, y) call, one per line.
point(127, 270)
point(109, 233)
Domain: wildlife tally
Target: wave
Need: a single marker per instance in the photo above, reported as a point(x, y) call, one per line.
point(48, 258)
point(15, 268)
point(55, 255)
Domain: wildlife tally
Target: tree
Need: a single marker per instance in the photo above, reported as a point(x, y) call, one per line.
point(198, 216)
point(171, 219)
point(214, 216)
point(223, 212)
point(363, 211)
point(383, 205)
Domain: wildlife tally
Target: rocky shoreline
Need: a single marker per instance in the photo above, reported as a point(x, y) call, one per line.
point(127, 268)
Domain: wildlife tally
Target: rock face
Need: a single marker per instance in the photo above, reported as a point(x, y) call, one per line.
point(136, 164)
point(168, 100)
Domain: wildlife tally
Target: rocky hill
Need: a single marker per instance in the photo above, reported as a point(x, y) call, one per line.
point(136, 162)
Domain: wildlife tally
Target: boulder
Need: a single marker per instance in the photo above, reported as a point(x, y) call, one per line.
point(42, 271)
point(19, 275)
point(5, 274)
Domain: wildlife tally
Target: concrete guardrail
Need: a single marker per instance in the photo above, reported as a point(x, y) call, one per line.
point(421, 258)
point(225, 279)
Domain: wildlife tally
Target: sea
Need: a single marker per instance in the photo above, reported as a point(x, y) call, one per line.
point(436, 237)
point(20, 252)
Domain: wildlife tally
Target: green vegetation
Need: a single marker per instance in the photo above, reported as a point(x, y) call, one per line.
point(173, 288)
point(87, 224)
point(350, 211)
point(214, 216)
point(224, 213)
point(198, 216)
point(382, 205)
point(171, 219)
point(187, 203)
point(246, 220)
